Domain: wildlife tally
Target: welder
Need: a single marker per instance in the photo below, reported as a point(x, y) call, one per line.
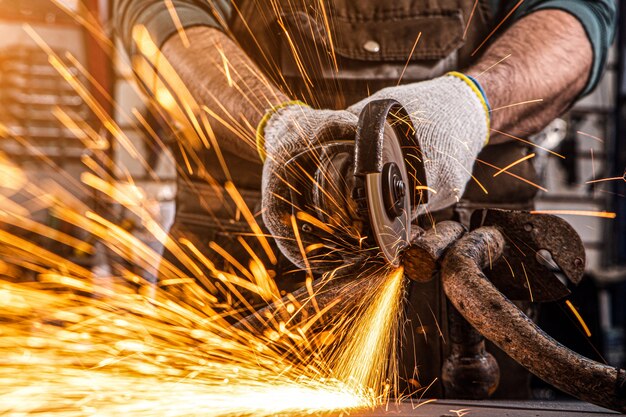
point(476, 77)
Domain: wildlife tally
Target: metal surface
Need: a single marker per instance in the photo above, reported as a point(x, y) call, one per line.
point(485, 308)
point(537, 245)
point(391, 233)
point(453, 408)
point(421, 258)
point(499, 320)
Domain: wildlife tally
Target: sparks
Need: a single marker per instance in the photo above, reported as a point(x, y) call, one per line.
point(590, 136)
point(76, 343)
point(512, 164)
point(538, 100)
point(601, 214)
point(529, 143)
point(504, 19)
point(578, 317)
point(79, 347)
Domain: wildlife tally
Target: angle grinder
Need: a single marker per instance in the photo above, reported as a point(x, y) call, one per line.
point(354, 200)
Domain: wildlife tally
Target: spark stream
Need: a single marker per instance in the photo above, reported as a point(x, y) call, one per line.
point(73, 343)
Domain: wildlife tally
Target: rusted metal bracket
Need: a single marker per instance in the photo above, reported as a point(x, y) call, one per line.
point(537, 246)
point(520, 253)
point(500, 321)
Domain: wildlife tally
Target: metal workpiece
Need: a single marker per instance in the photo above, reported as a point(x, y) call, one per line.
point(421, 258)
point(499, 320)
point(508, 243)
point(537, 246)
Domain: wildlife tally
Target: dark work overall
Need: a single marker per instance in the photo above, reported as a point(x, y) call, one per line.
point(331, 57)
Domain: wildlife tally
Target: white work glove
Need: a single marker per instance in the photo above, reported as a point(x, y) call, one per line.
point(451, 119)
point(283, 133)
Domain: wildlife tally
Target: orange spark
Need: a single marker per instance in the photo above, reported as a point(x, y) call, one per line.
point(247, 214)
point(513, 175)
point(493, 65)
point(229, 78)
point(530, 291)
point(329, 33)
point(578, 317)
point(179, 27)
point(512, 164)
point(528, 143)
point(425, 188)
point(306, 217)
point(497, 26)
point(538, 100)
point(470, 18)
point(601, 214)
point(623, 178)
point(419, 35)
point(91, 24)
point(590, 136)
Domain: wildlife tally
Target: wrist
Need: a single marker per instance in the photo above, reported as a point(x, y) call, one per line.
point(482, 91)
point(478, 90)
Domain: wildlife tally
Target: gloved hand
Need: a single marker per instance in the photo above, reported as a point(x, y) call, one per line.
point(284, 132)
point(451, 119)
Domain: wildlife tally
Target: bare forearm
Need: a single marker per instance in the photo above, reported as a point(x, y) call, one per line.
point(549, 63)
point(223, 79)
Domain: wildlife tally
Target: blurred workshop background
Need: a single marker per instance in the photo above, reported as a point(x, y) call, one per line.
point(591, 136)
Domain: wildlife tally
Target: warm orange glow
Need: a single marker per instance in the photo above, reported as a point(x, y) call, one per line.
point(528, 143)
point(512, 164)
point(601, 214)
point(578, 317)
point(538, 100)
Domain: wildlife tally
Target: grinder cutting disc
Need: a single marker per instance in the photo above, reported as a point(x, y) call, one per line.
point(380, 162)
point(388, 200)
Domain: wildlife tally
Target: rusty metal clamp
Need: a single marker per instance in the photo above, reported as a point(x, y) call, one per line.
point(508, 255)
point(509, 238)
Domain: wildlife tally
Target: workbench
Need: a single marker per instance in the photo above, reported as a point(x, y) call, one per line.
point(458, 408)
